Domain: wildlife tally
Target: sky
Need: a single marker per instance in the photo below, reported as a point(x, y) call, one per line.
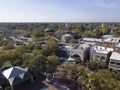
point(59, 10)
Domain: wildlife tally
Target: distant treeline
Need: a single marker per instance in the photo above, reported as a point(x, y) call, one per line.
point(97, 29)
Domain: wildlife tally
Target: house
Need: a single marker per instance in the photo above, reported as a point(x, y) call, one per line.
point(114, 64)
point(81, 50)
point(100, 53)
point(66, 37)
point(17, 75)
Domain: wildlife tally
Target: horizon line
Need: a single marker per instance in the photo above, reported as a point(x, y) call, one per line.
point(62, 22)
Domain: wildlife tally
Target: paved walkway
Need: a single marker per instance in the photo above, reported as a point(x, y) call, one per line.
point(54, 86)
point(48, 86)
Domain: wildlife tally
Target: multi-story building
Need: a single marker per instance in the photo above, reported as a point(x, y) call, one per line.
point(110, 42)
point(114, 64)
point(117, 47)
point(100, 53)
point(82, 50)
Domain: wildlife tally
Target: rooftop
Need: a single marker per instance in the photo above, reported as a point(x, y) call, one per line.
point(115, 56)
point(13, 71)
point(64, 31)
point(101, 49)
point(67, 35)
point(111, 40)
point(81, 46)
point(106, 36)
point(90, 39)
point(66, 48)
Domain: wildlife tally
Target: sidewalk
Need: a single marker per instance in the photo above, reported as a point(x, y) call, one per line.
point(54, 86)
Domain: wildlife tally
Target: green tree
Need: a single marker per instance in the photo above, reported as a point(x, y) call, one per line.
point(52, 62)
point(73, 41)
point(93, 65)
point(21, 49)
point(37, 34)
point(51, 48)
point(78, 61)
point(102, 80)
point(39, 62)
point(3, 59)
point(8, 47)
point(79, 75)
point(102, 65)
point(15, 57)
point(116, 33)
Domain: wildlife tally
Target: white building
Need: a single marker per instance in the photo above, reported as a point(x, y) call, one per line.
point(100, 53)
point(114, 63)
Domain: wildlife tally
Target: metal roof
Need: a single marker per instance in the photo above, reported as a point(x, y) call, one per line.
point(16, 75)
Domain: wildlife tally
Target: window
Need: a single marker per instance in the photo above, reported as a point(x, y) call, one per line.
point(112, 62)
point(98, 58)
point(117, 63)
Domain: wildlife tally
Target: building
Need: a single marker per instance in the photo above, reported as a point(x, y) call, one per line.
point(100, 53)
point(3, 80)
point(110, 42)
point(48, 30)
point(17, 75)
point(89, 40)
point(66, 37)
point(106, 36)
point(114, 64)
point(117, 47)
point(66, 48)
point(81, 50)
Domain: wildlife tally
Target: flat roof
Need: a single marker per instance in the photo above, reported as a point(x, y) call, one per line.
point(106, 36)
point(111, 40)
point(101, 49)
point(90, 39)
point(115, 56)
point(81, 46)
